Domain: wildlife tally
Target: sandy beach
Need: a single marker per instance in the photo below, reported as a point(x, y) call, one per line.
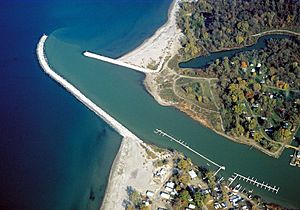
point(159, 47)
point(132, 169)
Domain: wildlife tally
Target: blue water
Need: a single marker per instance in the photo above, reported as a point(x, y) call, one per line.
point(54, 152)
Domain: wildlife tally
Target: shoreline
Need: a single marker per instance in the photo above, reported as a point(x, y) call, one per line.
point(162, 44)
point(132, 154)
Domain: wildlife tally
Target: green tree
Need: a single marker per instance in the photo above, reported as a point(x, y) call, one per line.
point(199, 199)
point(184, 178)
point(239, 129)
point(184, 196)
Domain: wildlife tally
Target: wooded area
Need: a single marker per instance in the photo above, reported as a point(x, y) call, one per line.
point(211, 25)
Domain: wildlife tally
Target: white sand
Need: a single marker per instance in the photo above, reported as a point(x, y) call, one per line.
point(164, 43)
point(131, 169)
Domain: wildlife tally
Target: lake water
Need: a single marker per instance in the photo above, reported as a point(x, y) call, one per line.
point(55, 153)
point(120, 92)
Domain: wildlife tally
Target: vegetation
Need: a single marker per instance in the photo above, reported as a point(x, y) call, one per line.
point(259, 92)
point(211, 25)
point(252, 96)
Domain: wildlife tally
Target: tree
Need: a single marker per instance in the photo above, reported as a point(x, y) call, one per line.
point(184, 178)
point(256, 87)
point(183, 164)
point(184, 196)
point(239, 130)
point(258, 136)
point(243, 26)
point(130, 207)
point(199, 199)
point(135, 197)
point(239, 39)
point(252, 124)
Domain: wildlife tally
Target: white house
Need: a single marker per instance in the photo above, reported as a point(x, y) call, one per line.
point(170, 185)
point(192, 174)
point(149, 193)
point(192, 206)
point(165, 195)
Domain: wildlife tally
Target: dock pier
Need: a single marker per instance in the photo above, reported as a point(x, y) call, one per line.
point(184, 144)
point(254, 182)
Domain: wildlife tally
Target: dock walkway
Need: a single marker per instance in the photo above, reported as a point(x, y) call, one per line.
point(182, 143)
point(254, 182)
point(118, 62)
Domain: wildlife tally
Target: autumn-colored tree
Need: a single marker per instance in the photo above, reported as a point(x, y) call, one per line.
point(183, 164)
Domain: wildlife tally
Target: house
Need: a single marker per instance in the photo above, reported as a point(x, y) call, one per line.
point(192, 206)
point(149, 193)
point(165, 195)
point(146, 203)
point(161, 172)
point(258, 65)
point(168, 189)
point(170, 185)
point(192, 174)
